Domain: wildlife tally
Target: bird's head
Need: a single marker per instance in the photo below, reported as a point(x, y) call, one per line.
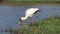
point(21, 19)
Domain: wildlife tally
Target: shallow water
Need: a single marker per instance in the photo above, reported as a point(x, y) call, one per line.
point(5, 33)
point(9, 15)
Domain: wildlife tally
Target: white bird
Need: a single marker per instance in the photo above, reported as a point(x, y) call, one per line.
point(29, 13)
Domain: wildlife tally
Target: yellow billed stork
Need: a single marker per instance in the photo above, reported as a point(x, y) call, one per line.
point(29, 13)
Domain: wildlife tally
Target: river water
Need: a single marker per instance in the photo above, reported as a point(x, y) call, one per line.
point(9, 15)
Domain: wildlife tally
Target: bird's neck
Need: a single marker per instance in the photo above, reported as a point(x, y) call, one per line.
point(24, 18)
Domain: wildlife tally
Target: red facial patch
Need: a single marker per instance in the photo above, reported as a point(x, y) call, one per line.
point(20, 20)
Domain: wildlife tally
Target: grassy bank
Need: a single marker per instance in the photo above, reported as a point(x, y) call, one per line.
point(46, 26)
point(24, 2)
point(33, 1)
point(49, 25)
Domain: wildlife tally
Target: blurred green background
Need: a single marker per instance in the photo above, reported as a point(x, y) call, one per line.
point(58, 1)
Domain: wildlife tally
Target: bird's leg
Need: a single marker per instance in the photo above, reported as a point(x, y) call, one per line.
point(30, 20)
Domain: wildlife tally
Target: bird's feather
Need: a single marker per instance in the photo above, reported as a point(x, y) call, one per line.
point(37, 11)
point(31, 11)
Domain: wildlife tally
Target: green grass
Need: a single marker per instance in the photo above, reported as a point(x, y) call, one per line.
point(49, 25)
point(45, 26)
point(34, 1)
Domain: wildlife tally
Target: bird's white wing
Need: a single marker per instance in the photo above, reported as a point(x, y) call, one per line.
point(30, 11)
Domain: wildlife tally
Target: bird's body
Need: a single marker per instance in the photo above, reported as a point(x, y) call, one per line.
point(29, 13)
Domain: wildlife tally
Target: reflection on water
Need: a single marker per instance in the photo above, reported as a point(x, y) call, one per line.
point(9, 15)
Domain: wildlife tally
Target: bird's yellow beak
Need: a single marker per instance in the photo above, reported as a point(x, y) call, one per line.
point(19, 23)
